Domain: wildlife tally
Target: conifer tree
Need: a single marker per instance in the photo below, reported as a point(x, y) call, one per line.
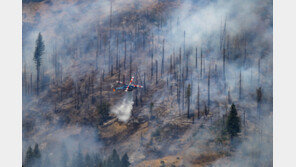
point(39, 51)
point(233, 122)
point(36, 156)
point(125, 161)
point(29, 157)
point(114, 160)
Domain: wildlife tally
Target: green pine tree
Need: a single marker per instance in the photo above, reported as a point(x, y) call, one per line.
point(233, 122)
point(125, 161)
point(39, 51)
point(114, 160)
point(29, 157)
point(37, 156)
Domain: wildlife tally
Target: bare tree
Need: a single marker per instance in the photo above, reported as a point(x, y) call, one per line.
point(156, 72)
point(188, 95)
point(162, 60)
point(196, 57)
point(198, 102)
point(124, 61)
point(240, 85)
point(201, 63)
point(209, 87)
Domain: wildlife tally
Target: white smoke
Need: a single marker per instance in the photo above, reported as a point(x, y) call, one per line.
point(123, 108)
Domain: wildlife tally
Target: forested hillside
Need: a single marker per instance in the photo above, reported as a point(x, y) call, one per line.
point(206, 70)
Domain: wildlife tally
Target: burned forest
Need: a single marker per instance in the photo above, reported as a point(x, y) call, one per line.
point(202, 89)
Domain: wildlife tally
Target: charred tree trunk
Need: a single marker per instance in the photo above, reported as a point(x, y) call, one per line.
point(240, 86)
point(224, 63)
point(117, 53)
point(124, 61)
point(131, 67)
point(25, 80)
point(201, 63)
point(109, 42)
point(162, 60)
point(37, 83)
point(97, 49)
point(31, 83)
point(196, 58)
point(144, 82)
point(209, 88)
point(156, 73)
point(259, 71)
point(178, 95)
point(198, 102)
point(188, 94)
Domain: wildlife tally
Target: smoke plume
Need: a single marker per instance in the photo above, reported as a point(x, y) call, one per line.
point(123, 108)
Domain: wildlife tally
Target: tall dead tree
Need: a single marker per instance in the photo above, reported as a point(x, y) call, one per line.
point(119, 73)
point(245, 49)
point(131, 67)
point(156, 72)
point(178, 95)
point(101, 91)
point(183, 92)
point(100, 44)
point(184, 44)
point(117, 53)
point(198, 102)
point(123, 78)
point(162, 60)
point(145, 88)
point(200, 63)
point(109, 56)
point(25, 79)
point(109, 41)
point(222, 46)
point(259, 71)
point(124, 61)
point(240, 85)
point(224, 63)
point(188, 94)
point(187, 59)
point(171, 64)
point(209, 87)
point(196, 57)
point(31, 83)
point(229, 97)
point(97, 47)
point(152, 65)
point(259, 100)
point(180, 63)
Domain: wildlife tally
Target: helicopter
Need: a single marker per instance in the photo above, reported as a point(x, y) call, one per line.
point(129, 87)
